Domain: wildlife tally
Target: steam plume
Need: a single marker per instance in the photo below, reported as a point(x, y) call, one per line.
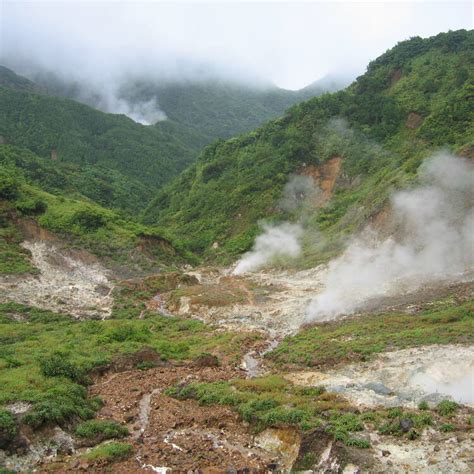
point(434, 241)
point(281, 240)
point(276, 241)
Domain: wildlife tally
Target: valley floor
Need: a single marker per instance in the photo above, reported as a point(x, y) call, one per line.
point(253, 387)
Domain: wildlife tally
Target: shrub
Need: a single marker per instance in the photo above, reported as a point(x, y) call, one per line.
point(249, 411)
point(446, 407)
point(446, 427)
point(126, 332)
point(103, 429)
point(89, 219)
point(8, 428)
point(57, 365)
point(358, 443)
point(9, 187)
point(31, 206)
point(61, 405)
point(283, 415)
point(422, 419)
point(395, 413)
point(347, 422)
point(423, 405)
point(368, 416)
point(110, 452)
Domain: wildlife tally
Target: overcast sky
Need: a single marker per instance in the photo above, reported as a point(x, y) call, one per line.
point(290, 44)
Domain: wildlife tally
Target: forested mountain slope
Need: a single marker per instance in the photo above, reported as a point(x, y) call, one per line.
point(217, 108)
point(68, 132)
point(115, 161)
point(205, 109)
point(372, 136)
point(37, 198)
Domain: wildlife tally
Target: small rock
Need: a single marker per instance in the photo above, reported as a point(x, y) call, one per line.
point(385, 452)
point(406, 425)
point(379, 388)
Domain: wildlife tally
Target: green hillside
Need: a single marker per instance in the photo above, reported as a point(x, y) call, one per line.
point(416, 97)
point(32, 189)
point(119, 163)
point(107, 155)
point(205, 109)
point(219, 109)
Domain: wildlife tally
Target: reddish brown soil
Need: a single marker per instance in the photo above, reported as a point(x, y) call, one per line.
point(324, 176)
point(414, 120)
point(208, 438)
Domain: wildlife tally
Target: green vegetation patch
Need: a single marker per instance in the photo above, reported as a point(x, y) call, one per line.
point(45, 357)
point(103, 429)
point(109, 452)
point(14, 259)
point(266, 401)
point(272, 401)
point(361, 337)
point(77, 221)
point(8, 428)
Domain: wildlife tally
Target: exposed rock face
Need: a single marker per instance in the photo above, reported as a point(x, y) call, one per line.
point(70, 281)
point(148, 244)
point(320, 453)
point(414, 120)
point(283, 442)
point(324, 176)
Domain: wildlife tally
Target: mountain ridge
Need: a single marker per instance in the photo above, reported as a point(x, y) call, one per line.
point(412, 99)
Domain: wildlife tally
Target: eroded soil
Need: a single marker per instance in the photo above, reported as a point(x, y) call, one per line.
point(177, 434)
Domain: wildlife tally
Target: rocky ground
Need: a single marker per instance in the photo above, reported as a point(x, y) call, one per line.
point(401, 378)
point(68, 281)
point(181, 435)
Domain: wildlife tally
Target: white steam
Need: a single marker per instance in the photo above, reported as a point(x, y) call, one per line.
point(298, 191)
point(108, 98)
point(433, 242)
point(282, 240)
point(146, 113)
point(276, 241)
